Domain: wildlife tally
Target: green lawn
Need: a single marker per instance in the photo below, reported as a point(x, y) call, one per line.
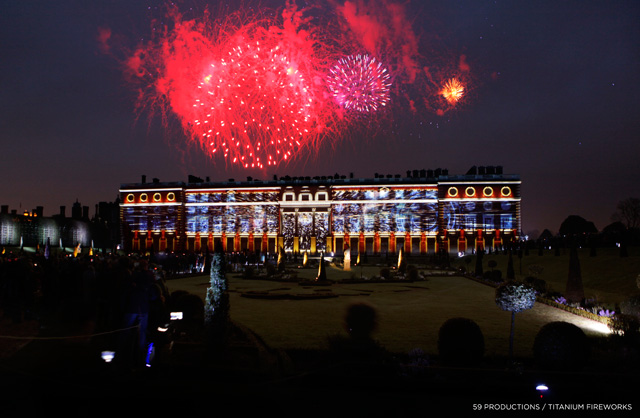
point(410, 314)
point(607, 277)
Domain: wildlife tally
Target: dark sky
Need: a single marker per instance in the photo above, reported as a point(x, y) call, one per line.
point(563, 110)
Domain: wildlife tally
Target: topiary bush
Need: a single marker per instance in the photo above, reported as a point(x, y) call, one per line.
point(360, 320)
point(514, 297)
point(460, 342)
point(385, 273)
point(493, 276)
point(412, 273)
point(539, 285)
point(561, 346)
point(631, 306)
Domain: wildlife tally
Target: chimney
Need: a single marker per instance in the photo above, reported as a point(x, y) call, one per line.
point(144, 179)
point(62, 211)
point(4, 209)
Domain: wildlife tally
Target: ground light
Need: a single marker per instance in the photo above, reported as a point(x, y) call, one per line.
point(108, 356)
point(542, 389)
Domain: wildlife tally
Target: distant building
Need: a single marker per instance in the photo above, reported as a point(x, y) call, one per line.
point(32, 229)
point(426, 211)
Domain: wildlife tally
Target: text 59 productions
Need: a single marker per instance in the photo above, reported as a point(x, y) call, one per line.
point(552, 407)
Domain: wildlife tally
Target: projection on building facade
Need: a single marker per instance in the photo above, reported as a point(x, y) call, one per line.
point(426, 211)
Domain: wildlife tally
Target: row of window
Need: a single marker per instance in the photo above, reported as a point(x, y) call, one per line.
point(305, 197)
point(486, 192)
point(144, 197)
point(453, 192)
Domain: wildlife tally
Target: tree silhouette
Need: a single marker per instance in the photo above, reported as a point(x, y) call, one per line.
point(574, 292)
point(628, 212)
point(576, 225)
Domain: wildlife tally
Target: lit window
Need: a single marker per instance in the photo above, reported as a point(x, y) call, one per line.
point(157, 197)
point(506, 191)
point(470, 191)
point(171, 197)
point(130, 197)
point(453, 191)
point(143, 197)
point(487, 191)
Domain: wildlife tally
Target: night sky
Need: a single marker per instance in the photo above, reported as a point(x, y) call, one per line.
point(555, 99)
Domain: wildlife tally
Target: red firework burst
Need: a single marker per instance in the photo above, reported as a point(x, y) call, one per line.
point(359, 83)
point(248, 92)
point(254, 105)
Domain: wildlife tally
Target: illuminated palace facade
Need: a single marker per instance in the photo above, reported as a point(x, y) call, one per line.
point(424, 212)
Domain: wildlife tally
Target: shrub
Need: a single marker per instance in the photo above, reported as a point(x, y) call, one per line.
point(385, 273)
point(631, 306)
point(417, 363)
point(561, 346)
point(493, 276)
point(412, 272)
point(624, 325)
point(271, 270)
point(539, 285)
point(249, 272)
point(360, 321)
point(460, 342)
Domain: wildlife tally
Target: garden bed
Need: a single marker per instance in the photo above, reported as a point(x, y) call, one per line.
point(292, 296)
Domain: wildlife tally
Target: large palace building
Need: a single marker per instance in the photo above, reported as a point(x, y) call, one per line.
point(424, 212)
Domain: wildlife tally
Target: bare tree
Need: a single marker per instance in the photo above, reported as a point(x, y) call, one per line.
point(628, 212)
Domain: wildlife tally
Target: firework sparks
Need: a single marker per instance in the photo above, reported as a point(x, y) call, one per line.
point(257, 89)
point(254, 106)
point(452, 91)
point(359, 83)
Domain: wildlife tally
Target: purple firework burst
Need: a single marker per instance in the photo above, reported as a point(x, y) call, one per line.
point(359, 83)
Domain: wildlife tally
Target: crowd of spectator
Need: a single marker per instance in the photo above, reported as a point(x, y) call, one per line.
point(109, 293)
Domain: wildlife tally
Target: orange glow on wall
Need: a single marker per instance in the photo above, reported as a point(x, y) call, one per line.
point(392, 243)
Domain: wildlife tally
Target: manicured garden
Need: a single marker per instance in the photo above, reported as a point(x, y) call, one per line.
point(291, 314)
